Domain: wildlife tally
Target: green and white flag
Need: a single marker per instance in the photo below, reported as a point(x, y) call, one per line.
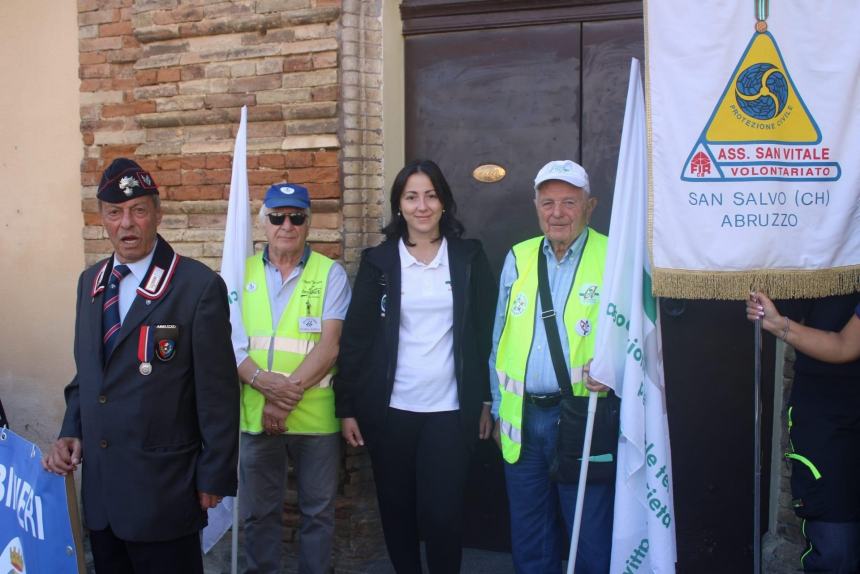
point(629, 358)
point(237, 248)
point(237, 235)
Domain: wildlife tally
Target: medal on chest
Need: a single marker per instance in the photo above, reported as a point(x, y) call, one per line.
point(144, 350)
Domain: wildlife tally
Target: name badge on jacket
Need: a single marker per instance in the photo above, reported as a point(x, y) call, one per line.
point(310, 325)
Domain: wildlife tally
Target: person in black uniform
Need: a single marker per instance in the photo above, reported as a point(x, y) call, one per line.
point(824, 424)
point(152, 414)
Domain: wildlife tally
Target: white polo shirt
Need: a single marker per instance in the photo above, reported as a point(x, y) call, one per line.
point(424, 380)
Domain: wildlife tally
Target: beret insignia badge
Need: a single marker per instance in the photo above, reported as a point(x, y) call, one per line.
point(127, 185)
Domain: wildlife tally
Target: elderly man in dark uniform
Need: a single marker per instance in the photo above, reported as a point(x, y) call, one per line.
point(153, 411)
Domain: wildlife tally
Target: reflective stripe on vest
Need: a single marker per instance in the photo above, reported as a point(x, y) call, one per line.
point(580, 319)
point(287, 345)
point(314, 414)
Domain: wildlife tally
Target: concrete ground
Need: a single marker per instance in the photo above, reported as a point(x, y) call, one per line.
point(474, 561)
point(778, 558)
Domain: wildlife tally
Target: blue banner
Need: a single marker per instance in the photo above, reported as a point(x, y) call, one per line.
point(35, 529)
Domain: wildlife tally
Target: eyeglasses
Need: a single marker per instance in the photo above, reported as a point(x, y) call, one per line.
point(566, 204)
point(277, 218)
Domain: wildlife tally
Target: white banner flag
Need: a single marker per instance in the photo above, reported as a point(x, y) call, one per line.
point(238, 246)
point(754, 116)
point(629, 358)
point(237, 236)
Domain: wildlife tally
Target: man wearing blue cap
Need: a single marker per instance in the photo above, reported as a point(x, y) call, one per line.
point(543, 342)
point(151, 414)
point(293, 307)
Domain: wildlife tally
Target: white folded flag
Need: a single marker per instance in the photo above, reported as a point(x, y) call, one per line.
point(629, 358)
point(237, 248)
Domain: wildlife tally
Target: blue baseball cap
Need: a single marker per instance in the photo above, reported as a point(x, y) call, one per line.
point(287, 195)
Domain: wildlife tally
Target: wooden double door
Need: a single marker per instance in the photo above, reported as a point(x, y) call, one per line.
point(516, 84)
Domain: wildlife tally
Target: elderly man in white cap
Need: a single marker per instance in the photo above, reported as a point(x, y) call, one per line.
point(543, 341)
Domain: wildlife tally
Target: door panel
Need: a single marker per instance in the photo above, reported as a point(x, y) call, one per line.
point(503, 96)
point(708, 362)
point(607, 50)
point(506, 96)
point(519, 96)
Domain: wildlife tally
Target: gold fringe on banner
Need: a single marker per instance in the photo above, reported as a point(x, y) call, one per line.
point(776, 283)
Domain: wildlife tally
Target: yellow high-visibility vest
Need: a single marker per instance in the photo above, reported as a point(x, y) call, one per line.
point(315, 412)
point(580, 320)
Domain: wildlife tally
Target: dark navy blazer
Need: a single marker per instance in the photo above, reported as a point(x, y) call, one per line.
point(152, 442)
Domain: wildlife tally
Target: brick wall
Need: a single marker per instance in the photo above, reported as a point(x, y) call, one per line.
point(361, 65)
point(163, 82)
point(359, 534)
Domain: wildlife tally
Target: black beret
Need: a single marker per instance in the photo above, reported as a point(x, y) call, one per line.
point(124, 180)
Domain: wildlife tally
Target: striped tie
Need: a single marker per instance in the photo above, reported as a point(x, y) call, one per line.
point(110, 312)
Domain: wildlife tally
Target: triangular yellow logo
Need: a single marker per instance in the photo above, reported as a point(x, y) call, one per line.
point(760, 129)
point(761, 102)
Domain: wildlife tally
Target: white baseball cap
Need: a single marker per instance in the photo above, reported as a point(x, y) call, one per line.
point(563, 170)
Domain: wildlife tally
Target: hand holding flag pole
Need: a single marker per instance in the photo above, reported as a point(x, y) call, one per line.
point(757, 449)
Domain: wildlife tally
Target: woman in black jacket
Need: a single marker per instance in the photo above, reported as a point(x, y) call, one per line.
point(413, 381)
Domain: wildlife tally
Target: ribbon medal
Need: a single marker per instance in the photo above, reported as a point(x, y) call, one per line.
point(144, 351)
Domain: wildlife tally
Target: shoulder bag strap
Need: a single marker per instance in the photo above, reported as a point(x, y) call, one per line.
point(562, 374)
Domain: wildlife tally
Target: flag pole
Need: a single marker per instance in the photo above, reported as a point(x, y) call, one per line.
point(629, 358)
point(238, 246)
point(583, 474)
point(234, 538)
point(757, 447)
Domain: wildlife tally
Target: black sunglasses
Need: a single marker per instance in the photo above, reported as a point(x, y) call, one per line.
point(277, 218)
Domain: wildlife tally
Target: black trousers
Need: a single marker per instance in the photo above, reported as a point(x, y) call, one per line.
point(115, 556)
point(832, 547)
point(420, 463)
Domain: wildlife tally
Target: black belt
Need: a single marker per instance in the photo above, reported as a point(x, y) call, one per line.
point(544, 401)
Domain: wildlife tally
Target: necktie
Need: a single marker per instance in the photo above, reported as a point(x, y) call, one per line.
point(110, 311)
